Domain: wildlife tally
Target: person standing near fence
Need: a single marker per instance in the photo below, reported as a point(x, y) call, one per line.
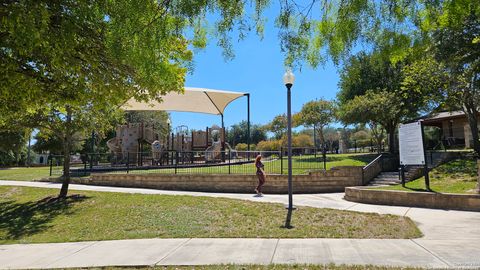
point(260, 174)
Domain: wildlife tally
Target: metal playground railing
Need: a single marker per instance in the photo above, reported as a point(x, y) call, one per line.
point(191, 162)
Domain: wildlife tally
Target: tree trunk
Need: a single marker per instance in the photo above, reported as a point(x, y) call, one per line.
point(67, 142)
point(315, 138)
point(322, 138)
point(379, 144)
point(391, 137)
point(478, 175)
point(470, 108)
point(378, 137)
point(472, 113)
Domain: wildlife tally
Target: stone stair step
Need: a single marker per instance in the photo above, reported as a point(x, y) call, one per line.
point(387, 176)
point(384, 184)
point(389, 173)
point(386, 181)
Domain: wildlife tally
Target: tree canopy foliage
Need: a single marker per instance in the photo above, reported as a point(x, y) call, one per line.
point(67, 66)
point(13, 146)
point(237, 133)
point(159, 120)
point(278, 126)
point(317, 113)
point(371, 93)
point(447, 61)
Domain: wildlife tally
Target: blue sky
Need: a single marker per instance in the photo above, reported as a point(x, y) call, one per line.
point(257, 69)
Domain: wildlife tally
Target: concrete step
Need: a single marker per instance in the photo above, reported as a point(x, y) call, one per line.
point(386, 180)
point(387, 177)
point(384, 183)
point(388, 173)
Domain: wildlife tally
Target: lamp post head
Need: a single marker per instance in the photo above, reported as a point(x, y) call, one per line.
point(288, 78)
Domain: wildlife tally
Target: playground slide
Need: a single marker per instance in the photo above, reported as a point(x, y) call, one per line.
point(231, 150)
point(157, 149)
point(113, 145)
point(213, 152)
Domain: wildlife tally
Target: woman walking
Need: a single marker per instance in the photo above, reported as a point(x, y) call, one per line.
point(260, 174)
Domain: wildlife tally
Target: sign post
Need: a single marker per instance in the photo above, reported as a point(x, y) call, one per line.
point(412, 150)
point(425, 169)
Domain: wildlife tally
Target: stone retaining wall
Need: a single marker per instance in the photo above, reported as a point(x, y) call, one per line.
point(333, 180)
point(413, 199)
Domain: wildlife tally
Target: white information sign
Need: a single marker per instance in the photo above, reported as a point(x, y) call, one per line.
point(411, 144)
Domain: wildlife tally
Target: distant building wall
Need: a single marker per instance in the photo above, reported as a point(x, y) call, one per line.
point(40, 159)
point(457, 129)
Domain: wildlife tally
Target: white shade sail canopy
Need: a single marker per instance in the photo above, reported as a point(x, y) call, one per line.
point(199, 100)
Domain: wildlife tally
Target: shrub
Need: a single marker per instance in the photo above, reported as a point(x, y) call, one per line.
point(302, 140)
point(269, 145)
point(244, 147)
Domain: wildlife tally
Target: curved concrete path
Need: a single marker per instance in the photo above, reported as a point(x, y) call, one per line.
point(451, 240)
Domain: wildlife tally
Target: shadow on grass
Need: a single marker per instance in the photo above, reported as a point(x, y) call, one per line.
point(420, 189)
point(18, 220)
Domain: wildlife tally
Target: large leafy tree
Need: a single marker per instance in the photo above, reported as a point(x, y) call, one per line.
point(237, 133)
point(456, 48)
point(318, 114)
point(12, 146)
point(69, 65)
point(379, 110)
point(332, 138)
point(278, 126)
point(450, 63)
point(380, 77)
point(47, 143)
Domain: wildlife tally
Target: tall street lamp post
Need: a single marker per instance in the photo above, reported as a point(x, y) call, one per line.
point(288, 79)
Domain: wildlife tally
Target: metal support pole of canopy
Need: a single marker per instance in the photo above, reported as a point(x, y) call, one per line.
point(248, 122)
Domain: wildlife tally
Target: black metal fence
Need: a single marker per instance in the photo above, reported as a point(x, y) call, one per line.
point(190, 162)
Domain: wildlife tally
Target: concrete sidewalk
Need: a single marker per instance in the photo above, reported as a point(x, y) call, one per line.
point(451, 240)
point(147, 252)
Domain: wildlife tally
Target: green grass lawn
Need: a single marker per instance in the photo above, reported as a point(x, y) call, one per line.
point(457, 176)
point(300, 165)
point(24, 174)
point(26, 216)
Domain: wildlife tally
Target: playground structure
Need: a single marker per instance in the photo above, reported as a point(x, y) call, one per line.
point(198, 146)
point(130, 139)
point(211, 141)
